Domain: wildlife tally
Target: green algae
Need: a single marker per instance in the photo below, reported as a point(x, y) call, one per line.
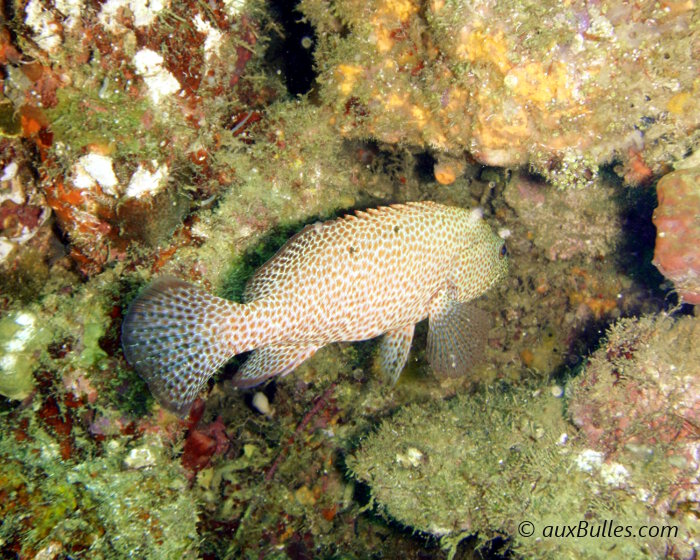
point(97, 504)
point(98, 110)
point(458, 467)
point(129, 392)
point(484, 463)
point(21, 338)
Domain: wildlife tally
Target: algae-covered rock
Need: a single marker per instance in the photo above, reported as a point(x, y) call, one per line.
point(642, 386)
point(556, 84)
point(104, 506)
point(465, 466)
point(677, 221)
point(639, 399)
point(549, 215)
point(508, 464)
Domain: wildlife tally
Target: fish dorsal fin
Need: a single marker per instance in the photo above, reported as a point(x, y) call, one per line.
point(456, 336)
point(267, 277)
point(263, 282)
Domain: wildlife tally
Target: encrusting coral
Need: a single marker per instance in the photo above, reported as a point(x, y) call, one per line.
point(677, 221)
point(553, 84)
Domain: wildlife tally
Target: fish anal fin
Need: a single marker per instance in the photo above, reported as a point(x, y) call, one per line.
point(456, 336)
point(394, 349)
point(270, 361)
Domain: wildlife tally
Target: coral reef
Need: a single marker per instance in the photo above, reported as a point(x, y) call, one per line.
point(261, 178)
point(139, 139)
point(556, 85)
point(27, 242)
point(487, 462)
point(127, 105)
point(677, 221)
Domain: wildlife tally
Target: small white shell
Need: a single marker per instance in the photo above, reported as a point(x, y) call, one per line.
point(262, 404)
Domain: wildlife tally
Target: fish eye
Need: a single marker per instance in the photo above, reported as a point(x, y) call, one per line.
point(503, 251)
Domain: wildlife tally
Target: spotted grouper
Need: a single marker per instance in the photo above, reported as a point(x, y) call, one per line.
point(376, 272)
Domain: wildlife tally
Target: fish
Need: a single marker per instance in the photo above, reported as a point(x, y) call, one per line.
point(375, 272)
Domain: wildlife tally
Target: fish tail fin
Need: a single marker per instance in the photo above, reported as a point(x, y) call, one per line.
point(175, 336)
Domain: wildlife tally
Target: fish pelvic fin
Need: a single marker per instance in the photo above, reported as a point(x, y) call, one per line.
point(456, 335)
point(393, 351)
point(175, 336)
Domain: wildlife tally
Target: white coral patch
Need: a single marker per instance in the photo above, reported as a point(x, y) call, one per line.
point(234, 7)
point(412, 458)
point(18, 342)
point(71, 9)
point(160, 82)
point(45, 27)
point(144, 182)
point(6, 248)
point(614, 474)
point(142, 457)
point(94, 169)
point(212, 42)
point(12, 188)
point(144, 12)
point(9, 172)
point(589, 460)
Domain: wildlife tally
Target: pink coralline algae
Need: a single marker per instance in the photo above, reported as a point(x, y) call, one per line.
point(638, 405)
point(677, 221)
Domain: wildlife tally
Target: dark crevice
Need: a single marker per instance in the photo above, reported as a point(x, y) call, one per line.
point(425, 165)
point(293, 54)
point(636, 249)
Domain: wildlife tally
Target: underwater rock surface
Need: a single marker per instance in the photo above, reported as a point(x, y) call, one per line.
point(592, 210)
point(485, 463)
point(553, 84)
point(639, 400)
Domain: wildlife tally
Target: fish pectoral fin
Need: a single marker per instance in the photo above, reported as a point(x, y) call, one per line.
point(456, 335)
point(269, 361)
point(393, 351)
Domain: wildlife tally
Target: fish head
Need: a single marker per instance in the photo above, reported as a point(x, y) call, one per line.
point(481, 260)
